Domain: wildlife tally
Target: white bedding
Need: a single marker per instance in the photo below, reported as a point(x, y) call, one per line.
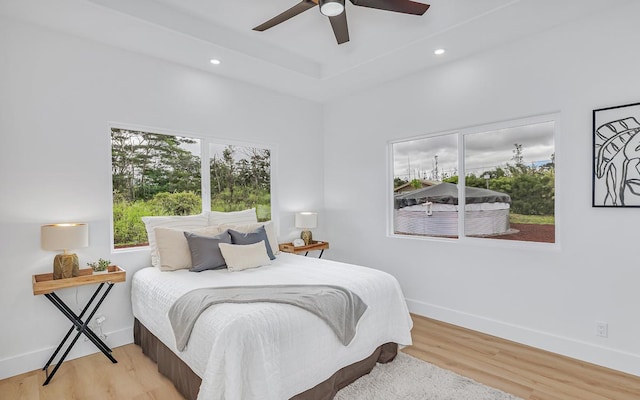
point(271, 351)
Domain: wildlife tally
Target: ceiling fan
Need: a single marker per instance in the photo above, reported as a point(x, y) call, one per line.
point(335, 10)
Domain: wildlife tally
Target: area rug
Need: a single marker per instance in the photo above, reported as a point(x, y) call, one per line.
point(407, 378)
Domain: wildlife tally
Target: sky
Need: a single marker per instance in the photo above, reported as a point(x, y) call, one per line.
point(483, 151)
point(241, 152)
point(215, 149)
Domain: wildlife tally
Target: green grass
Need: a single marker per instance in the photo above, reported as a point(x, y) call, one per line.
point(532, 219)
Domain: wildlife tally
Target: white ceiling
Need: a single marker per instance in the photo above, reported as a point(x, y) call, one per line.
point(300, 56)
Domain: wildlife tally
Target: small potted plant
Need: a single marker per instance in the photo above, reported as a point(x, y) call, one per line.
point(100, 267)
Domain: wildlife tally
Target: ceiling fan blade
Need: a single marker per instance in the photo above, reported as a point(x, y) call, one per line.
point(401, 6)
point(340, 28)
point(304, 5)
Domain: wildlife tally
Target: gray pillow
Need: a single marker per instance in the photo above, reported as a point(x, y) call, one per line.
point(205, 252)
point(256, 236)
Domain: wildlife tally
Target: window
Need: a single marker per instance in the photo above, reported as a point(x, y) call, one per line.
point(160, 174)
point(509, 183)
point(240, 179)
point(422, 168)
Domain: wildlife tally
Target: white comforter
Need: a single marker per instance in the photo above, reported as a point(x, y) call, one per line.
point(271, 351)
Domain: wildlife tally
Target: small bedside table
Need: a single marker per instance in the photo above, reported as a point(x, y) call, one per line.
point(315, 245)
point(46, 285)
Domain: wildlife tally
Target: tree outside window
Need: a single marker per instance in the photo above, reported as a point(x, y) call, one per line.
point(156, 174)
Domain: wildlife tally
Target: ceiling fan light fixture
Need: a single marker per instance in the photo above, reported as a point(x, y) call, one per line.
point(331, 8)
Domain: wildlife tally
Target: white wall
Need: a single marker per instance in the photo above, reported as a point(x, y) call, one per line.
point(547, 298)
point(57, 93)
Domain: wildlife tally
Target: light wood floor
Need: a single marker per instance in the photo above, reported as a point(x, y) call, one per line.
point(526, 372)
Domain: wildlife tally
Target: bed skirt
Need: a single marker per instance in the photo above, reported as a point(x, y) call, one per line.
point(188, 383)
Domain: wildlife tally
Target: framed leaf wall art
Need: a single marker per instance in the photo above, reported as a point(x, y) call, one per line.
point(616, 156)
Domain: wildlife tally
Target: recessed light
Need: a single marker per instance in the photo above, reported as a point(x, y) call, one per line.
point(214, 61)
point(438, 52)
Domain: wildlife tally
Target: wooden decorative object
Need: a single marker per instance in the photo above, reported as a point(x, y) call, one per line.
point(307, 237)
point(65, 266)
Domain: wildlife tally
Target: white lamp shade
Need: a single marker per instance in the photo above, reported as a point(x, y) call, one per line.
point(306, 220)
point(56, 237)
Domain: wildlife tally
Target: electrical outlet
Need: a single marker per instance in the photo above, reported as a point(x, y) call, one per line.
point(602, 329)
point(96, 325)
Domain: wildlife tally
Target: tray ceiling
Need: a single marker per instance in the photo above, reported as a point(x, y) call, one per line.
point(300, 56)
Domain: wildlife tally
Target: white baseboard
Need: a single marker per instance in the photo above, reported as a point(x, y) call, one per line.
point(578, 349)
point(22, 363)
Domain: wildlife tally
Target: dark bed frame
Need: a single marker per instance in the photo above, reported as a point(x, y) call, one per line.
point(188, 383)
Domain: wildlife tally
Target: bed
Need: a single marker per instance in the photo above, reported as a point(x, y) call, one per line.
point(268, 351)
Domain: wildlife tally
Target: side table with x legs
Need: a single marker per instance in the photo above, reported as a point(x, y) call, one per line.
point(45, 284)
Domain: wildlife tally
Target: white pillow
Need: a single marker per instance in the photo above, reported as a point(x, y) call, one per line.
point(233, 217)
point(182, 222)
point(244, 256)
point(268, 226)
point(173, 248)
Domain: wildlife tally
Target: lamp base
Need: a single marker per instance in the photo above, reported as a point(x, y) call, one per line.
point(306, 236)
point(65, 266)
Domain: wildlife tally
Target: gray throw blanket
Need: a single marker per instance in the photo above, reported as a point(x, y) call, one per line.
point(340, 308)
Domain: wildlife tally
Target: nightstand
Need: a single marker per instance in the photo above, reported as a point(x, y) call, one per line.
point(46, 285)
point(315, 245)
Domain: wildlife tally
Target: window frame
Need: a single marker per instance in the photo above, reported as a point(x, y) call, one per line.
point(461, 133)
point(205, 173)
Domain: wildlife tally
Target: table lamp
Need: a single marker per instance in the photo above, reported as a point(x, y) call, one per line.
point(306, 220)
point(56, 237)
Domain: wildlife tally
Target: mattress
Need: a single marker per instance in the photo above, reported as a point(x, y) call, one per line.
point(264, 350)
